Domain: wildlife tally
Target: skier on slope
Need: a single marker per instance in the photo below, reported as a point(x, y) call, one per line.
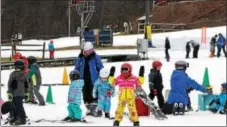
point(155, 83)
point(180, 82)
point(89, 64)
point(74, 97)
point(35, 81)
point(127, 83)
point(167, 47)
point(105, 91)
point(219, 103)
point(17, 91)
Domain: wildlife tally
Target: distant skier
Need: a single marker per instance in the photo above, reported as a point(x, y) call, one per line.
point(89, 65)
point(195, 46)
point(180, 82)
point(74, 97)
point(188, 49)
point(18, 91)
point(35, 80)
point(155, 83)
point(221, 42)
point(51, 49)
point(105, 92)
point(127, 83)
point(219, 104)
point(213, 45)
point(167, 47)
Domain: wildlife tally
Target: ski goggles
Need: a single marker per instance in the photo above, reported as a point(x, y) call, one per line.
point(124, 69)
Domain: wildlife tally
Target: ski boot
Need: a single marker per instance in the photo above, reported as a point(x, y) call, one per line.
point(42, 104)
point(116, 123)
point(67, 118)
point(99, 113)
point(12, 120)
point(137, 123)
point(189, 108)
point(107, 115)
point(181, 108)
point(74, 120)
point(20, 121)
point(175, 109)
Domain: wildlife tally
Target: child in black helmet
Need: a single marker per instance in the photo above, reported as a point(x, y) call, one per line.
point(180, 82)
point(17, 91)
point(35, 80)
point(219, 104)
point(75, 97)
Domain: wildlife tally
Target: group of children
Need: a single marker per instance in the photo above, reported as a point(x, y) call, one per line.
point(23, 83)
point(104, 88)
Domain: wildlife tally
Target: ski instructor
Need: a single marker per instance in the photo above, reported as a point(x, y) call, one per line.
point(89, 64)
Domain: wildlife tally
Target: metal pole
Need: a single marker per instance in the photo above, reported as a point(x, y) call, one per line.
point(69, 19)
point(172, 9)
point(147, 11)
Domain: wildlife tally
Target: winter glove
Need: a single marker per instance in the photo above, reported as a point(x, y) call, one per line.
point(10, 96)
point(141, 75)
point(112, 71)
point(141, 71)
point(111, 75)
point(189, 89)
point(108, 93)
point(27, 97)
point(209, 91)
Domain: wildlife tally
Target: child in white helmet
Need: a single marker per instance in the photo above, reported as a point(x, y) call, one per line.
point(105, 91)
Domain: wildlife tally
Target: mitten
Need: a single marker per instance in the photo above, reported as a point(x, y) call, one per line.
point(141, 71)
point(141, 75)
point(209, 91)
point(108, 93)
point(10, 96)
point(112, 71)
point(27, 97)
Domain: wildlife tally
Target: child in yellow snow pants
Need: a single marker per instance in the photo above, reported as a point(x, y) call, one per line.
point(127, 84)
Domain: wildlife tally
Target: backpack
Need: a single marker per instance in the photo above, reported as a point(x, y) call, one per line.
point(142, 109)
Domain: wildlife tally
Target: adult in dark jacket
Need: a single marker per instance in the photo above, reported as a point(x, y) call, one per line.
point(35, 81)
point(167, 47)
point(188, 49)
point(195, 46)
point(213, 43)
point(17, 92)
point(178, 96)
point(155, 83)
point(221, 42)
point(89, 64)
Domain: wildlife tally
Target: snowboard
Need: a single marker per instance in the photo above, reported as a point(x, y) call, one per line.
point(156, 111)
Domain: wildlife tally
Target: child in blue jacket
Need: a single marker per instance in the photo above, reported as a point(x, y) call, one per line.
point(105, 91)
point(219, 104)
point(51, 49)
point(74, 97)
point(178, 96)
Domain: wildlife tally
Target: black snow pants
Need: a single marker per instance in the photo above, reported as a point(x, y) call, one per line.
point(195, 51)
point(18, 108)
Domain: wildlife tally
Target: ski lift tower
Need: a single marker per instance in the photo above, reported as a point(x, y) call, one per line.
point(85, 9)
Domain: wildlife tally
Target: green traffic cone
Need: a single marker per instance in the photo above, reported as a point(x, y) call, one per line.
point(206, 81)
point(49, 98)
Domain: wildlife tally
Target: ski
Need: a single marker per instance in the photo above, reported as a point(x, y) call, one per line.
point(60, 121)
point(153, 108)
point(6, 122)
